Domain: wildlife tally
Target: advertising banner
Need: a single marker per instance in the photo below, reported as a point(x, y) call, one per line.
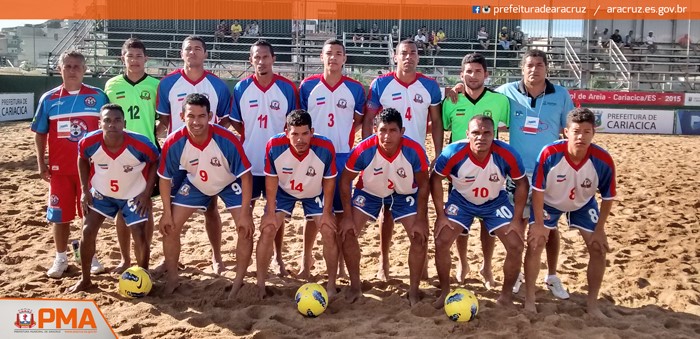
point(16, 106)
point(609, 120)
point(688, 122)
point(627, 98)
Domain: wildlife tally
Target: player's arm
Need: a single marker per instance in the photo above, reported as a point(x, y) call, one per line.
point(84, 174)
point(357, 123)
point(40, 140)
point(237, 126)
point(368, 121)
point(436, 129)
point(225, 122)
point(162, 125)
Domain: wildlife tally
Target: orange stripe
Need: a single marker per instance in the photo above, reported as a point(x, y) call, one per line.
point(355, 9)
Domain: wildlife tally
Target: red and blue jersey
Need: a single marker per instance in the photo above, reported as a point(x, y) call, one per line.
point(382, 175)
point(263, 113)
point(333, 109)
point(121, 174)
point(174, 87)
point(412, 100)
point(211, 165)
point(568, 186)
point(479, 181)
point(300, 175)
point(67, 118)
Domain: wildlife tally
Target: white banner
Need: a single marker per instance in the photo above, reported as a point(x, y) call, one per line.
point(692, 99)
point(611, 120)
point(16, 106)
point(52, 318)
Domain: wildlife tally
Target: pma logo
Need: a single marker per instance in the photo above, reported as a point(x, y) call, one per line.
point(598, 118)
point(90, 101)
point(25, 318)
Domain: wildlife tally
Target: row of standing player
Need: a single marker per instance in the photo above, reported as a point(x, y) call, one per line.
point(402, 89)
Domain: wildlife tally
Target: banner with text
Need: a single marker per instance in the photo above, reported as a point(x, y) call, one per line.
point(584, 97)
point(692, 99)
point(611, 120)
point(16, 106)
point(52, 318)
point(688, 122)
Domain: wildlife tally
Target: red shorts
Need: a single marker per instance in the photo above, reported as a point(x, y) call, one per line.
point(64, 198)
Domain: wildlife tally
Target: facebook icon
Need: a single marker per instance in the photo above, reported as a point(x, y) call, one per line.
point(476, 9)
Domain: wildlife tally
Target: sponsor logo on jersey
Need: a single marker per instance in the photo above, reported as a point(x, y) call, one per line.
point(310, 172)
point(128, 168)
point(321, 101)
point(90, 101)
point(452, 209)
point(54, 168)
point(342, 104)
point(215, 162)
point(145, 95)
point(518, 113)
point(561, 177)
point(418, 98)
point(401, 173)
point(184, 190)
point(275, 105)
point(78, 129)
point(493, 177)
point(587, 183)
point(396, 96)
point(359, 201)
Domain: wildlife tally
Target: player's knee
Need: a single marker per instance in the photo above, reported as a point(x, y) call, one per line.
point(515, 245)
point(535, 245)
point(596, 251)
point(442, 242)
point(327, 234)
point(268, 233)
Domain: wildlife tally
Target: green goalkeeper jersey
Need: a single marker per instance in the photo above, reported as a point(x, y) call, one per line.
point(138, 100)
point(455, 116)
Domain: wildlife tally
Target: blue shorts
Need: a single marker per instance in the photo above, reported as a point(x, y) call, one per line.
point(258, 187)
point(495, 213)
point(340, 160)
point(400, 205)
point(109, 207)
point(189, 196)
point(176, 182)
point(312, 206)
point(584, 218)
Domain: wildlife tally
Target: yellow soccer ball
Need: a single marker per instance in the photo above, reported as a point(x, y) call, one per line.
point(135, 282)
point(311, 299)
point(461, 305)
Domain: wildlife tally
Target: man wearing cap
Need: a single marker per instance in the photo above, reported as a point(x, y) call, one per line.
point(517, 39)
point(504, 39)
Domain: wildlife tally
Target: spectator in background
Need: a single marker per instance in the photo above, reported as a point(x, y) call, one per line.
point(374, 33)
point(517, 37)
point(296, 29)
point(253, 29)
point(236, 30)
point(629, 39)
point(220, 32)
point(437, 39)
point(604, 39)
point(504, 39)
point(421, 41)
point(686, 43)
point(359, 35)
point(616, 38)
point(649, 41)
point(395, 33)
point(482, 36)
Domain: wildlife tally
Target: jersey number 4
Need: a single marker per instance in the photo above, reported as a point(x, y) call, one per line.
point(298, 187)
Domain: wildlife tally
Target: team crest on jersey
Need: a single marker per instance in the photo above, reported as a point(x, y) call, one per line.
point(452, 210)
point(587, 183)
point(128, 168)
point(215, 162)
point(184, 190)
point(90, 101)
point(401, 173)
point(145, 95)
point(342, 104)
point(493, 177)
point(78, 129)
point(359, 201)
point(53, 199)
point(418, 98)
point(310, 172)
point(275, 105)
point(488, 113)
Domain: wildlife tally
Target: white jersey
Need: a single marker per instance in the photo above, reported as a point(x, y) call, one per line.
point(174, 87)
point(411, 100)
point(383, 175)
point(333, 109)
point(479, 181)
point(568, 187)
point(300, 176)
point(119, 175)
point(263, 113)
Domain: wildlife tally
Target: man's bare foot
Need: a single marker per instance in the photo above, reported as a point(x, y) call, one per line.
point(331, 290)
point(489, 283)
point(462, 272)
point(218, 267)
point(596, 312)
point(171, 284)
point(234, 290)
point(530, 306)
point(81, 285)
point(383, 273)
point(123, 265)
point(281, 269)
point(353, 294)
point(262, 292)
point(440, 302)
point(413, 297)
point(505, 300)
